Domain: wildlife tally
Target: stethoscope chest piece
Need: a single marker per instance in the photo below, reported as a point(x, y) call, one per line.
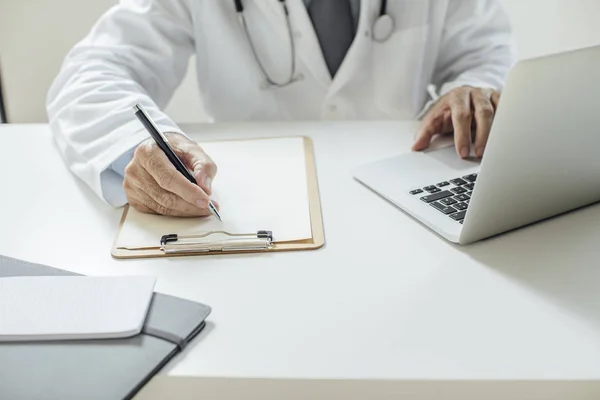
point(383, 28)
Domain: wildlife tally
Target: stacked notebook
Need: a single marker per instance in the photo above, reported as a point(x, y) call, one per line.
point(95, 369)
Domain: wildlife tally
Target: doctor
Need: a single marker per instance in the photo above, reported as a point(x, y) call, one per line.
point(269, 60)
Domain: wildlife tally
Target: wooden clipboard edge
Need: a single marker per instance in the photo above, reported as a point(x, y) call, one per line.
point(316, 219)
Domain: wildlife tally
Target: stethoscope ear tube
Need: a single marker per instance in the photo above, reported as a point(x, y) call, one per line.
point(239, 7)
point(383, 8)
point(269, 82)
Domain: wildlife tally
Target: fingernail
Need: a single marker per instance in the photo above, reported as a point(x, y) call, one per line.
point(202, 203)
point(208, 182)
point(479, 152)
point(464, 152)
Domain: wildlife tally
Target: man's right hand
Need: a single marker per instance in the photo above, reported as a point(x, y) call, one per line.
point(153, 185)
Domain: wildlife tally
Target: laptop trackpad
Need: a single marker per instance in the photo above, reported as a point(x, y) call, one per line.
point(395, 175)
point(450, 158)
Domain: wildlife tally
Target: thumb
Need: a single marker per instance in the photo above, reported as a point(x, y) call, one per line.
point(203, 168)
point(205, 172)
point(423, 139)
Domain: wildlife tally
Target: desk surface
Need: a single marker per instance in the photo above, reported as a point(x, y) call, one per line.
point(384, 299)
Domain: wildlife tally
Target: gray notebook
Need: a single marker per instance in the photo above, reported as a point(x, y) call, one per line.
point(95, 369)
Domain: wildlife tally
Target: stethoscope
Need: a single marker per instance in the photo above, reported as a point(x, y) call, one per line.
point(239, 8)
point(381, 31)
point(383, 27)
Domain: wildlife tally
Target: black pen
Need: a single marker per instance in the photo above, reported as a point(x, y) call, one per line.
point(163, 143)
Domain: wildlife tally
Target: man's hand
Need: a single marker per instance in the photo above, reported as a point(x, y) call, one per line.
point(458, 111)
point(153, 185)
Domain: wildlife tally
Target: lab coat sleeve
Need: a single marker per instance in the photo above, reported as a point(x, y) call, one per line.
point(137, 52)
point(477, 46)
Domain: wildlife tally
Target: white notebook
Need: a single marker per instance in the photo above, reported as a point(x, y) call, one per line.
point(45, 308)
point(260, 185)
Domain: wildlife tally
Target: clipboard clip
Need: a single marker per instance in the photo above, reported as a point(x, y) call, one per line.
point(216, 241)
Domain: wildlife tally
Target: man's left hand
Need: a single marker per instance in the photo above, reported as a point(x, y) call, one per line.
point(459, 111)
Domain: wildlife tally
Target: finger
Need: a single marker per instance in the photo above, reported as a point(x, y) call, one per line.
point(460, 104)
point(203, 167)
point(162, 210)
point(131, 179)
point(139, 185)
point(163, 201)
point(484, 115)
point(157, 208)
point(495, 99)
point(435, 123)
point(204, 170)
point(137, 198)
point(142, 201)
point(140, 207)
point(153, 160)
point(424, 135)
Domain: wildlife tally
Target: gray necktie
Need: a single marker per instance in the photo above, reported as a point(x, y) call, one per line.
point(334, 27)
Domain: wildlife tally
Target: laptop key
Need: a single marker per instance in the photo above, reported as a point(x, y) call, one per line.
point(461, 197)
point(458, 216)
point(458, 182)
point(466, 201)
point(458, 190)
point(443, 208)
point(461, 221)
point(448, 202)
point(416, 191)
point(461, 206)
point(436, 196)
point(428, 188)
point(471, 178)
point(442, 184)
point(469, 186)
point(435, 190)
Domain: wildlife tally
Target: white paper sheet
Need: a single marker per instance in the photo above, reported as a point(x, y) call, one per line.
point(260, 185)
point(45, 308)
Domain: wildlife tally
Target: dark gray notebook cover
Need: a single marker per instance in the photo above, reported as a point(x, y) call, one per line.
point(95, 369)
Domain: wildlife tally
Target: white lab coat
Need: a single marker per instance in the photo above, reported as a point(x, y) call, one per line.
point(139, 51)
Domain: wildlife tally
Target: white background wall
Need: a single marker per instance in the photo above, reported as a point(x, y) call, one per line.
point(36, 34)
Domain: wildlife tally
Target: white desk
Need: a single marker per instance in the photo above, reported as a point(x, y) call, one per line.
point(386, 298)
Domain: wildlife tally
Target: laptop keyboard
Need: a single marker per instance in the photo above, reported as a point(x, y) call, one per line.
point(451, 198)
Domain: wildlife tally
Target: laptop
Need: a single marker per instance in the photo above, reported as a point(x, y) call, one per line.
point(542, 158)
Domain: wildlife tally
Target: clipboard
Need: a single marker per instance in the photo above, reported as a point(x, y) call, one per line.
point(171, 244)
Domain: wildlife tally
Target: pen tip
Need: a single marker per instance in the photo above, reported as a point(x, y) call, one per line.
point(214, 211)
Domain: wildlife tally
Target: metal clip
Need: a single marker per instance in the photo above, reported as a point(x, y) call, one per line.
point(216, 241)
